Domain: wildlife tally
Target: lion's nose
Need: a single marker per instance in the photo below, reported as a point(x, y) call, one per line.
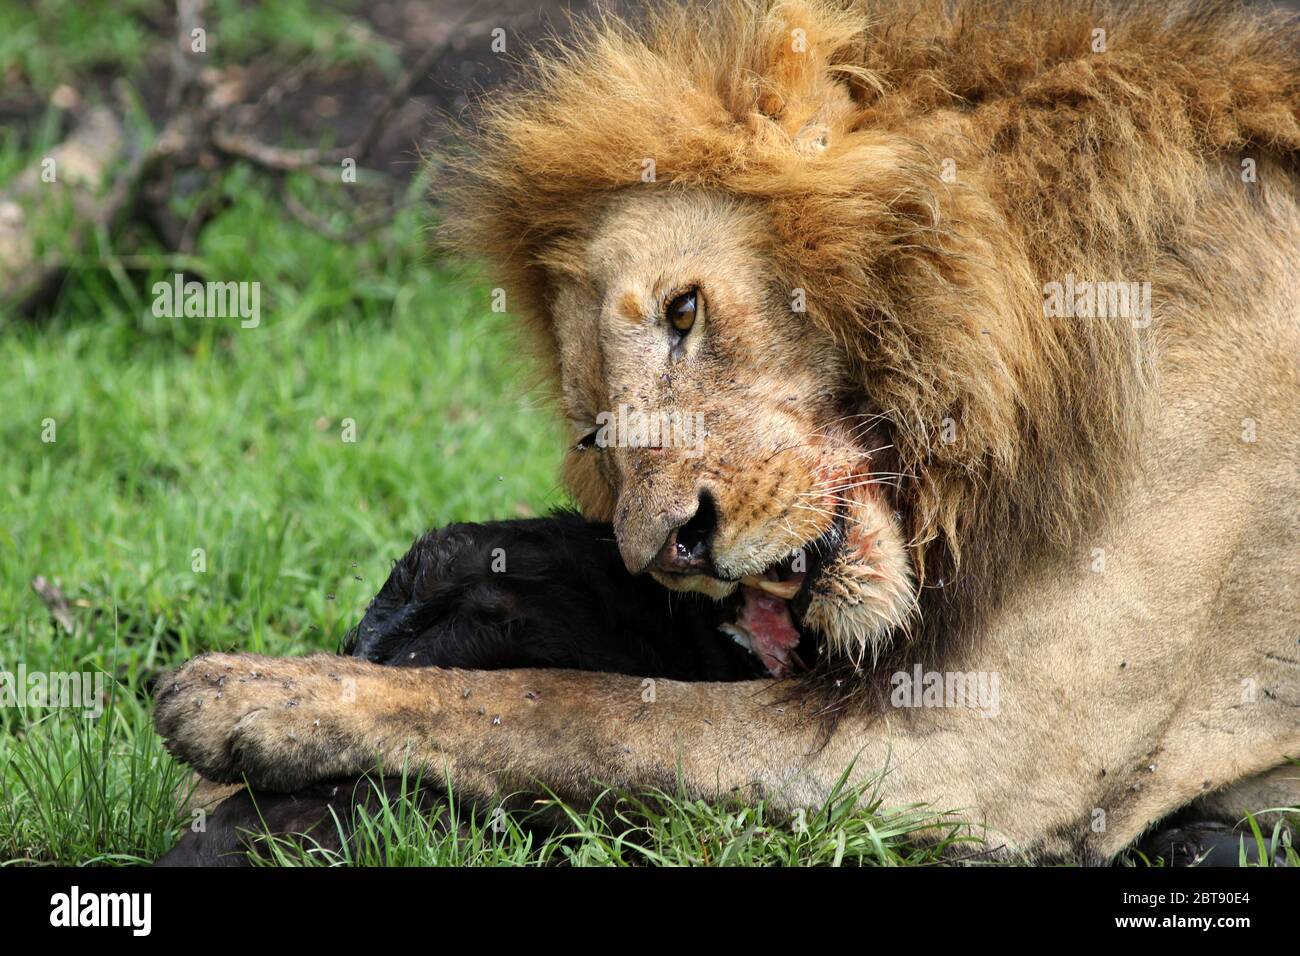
point(675, 542)
point(686, 551)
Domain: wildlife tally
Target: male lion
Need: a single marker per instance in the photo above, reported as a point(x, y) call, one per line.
point(988, 317)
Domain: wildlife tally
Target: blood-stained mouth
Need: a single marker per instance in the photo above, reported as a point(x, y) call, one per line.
point(770, 606)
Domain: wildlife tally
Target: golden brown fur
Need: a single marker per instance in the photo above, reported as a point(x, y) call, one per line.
point(1066, 162)
point(1113, 527)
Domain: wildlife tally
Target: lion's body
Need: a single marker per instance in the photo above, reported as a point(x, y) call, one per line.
point(1101, 511)
point(1174, 667)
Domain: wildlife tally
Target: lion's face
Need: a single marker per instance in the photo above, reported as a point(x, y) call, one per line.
point(720, 432)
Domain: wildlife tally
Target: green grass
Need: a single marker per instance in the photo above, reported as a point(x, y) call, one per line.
point(173, 435)
point(622, 829)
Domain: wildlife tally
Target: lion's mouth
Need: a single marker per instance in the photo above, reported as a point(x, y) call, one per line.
point(770, 609)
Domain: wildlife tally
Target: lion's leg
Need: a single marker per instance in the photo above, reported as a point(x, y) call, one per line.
point(199, 796)
point(542, 592)
point(288, 722)
point(1100, 726)
point(1272, 790)
point(1211, 830)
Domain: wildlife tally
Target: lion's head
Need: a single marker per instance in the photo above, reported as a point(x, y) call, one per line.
point(727, 441)
point(811, 247)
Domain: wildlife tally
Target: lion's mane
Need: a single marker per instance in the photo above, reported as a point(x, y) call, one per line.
point(927, 167)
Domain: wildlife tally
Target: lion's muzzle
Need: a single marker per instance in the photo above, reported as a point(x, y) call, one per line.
point(672, 538)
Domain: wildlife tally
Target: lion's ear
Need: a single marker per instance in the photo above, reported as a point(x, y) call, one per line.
point(812, 139)
point(806, 80)
point(825, 120)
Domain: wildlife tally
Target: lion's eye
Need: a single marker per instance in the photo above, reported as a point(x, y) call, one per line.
point(684, 310)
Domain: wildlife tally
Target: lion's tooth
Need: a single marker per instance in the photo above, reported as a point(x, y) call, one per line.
point(782, 589)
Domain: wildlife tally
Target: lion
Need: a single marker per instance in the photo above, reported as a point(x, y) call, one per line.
point(985, 312)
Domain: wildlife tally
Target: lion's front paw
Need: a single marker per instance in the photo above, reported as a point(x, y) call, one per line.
point(280, 723)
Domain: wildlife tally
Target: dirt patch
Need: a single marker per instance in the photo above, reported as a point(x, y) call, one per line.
point(313, 105)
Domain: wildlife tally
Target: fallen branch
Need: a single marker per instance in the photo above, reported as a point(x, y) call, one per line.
point(53, 599)
point(80, 167)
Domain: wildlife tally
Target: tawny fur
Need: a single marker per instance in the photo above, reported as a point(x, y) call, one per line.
point(1066, 161)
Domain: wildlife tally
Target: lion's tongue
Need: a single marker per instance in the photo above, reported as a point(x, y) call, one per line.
point(765, 620)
